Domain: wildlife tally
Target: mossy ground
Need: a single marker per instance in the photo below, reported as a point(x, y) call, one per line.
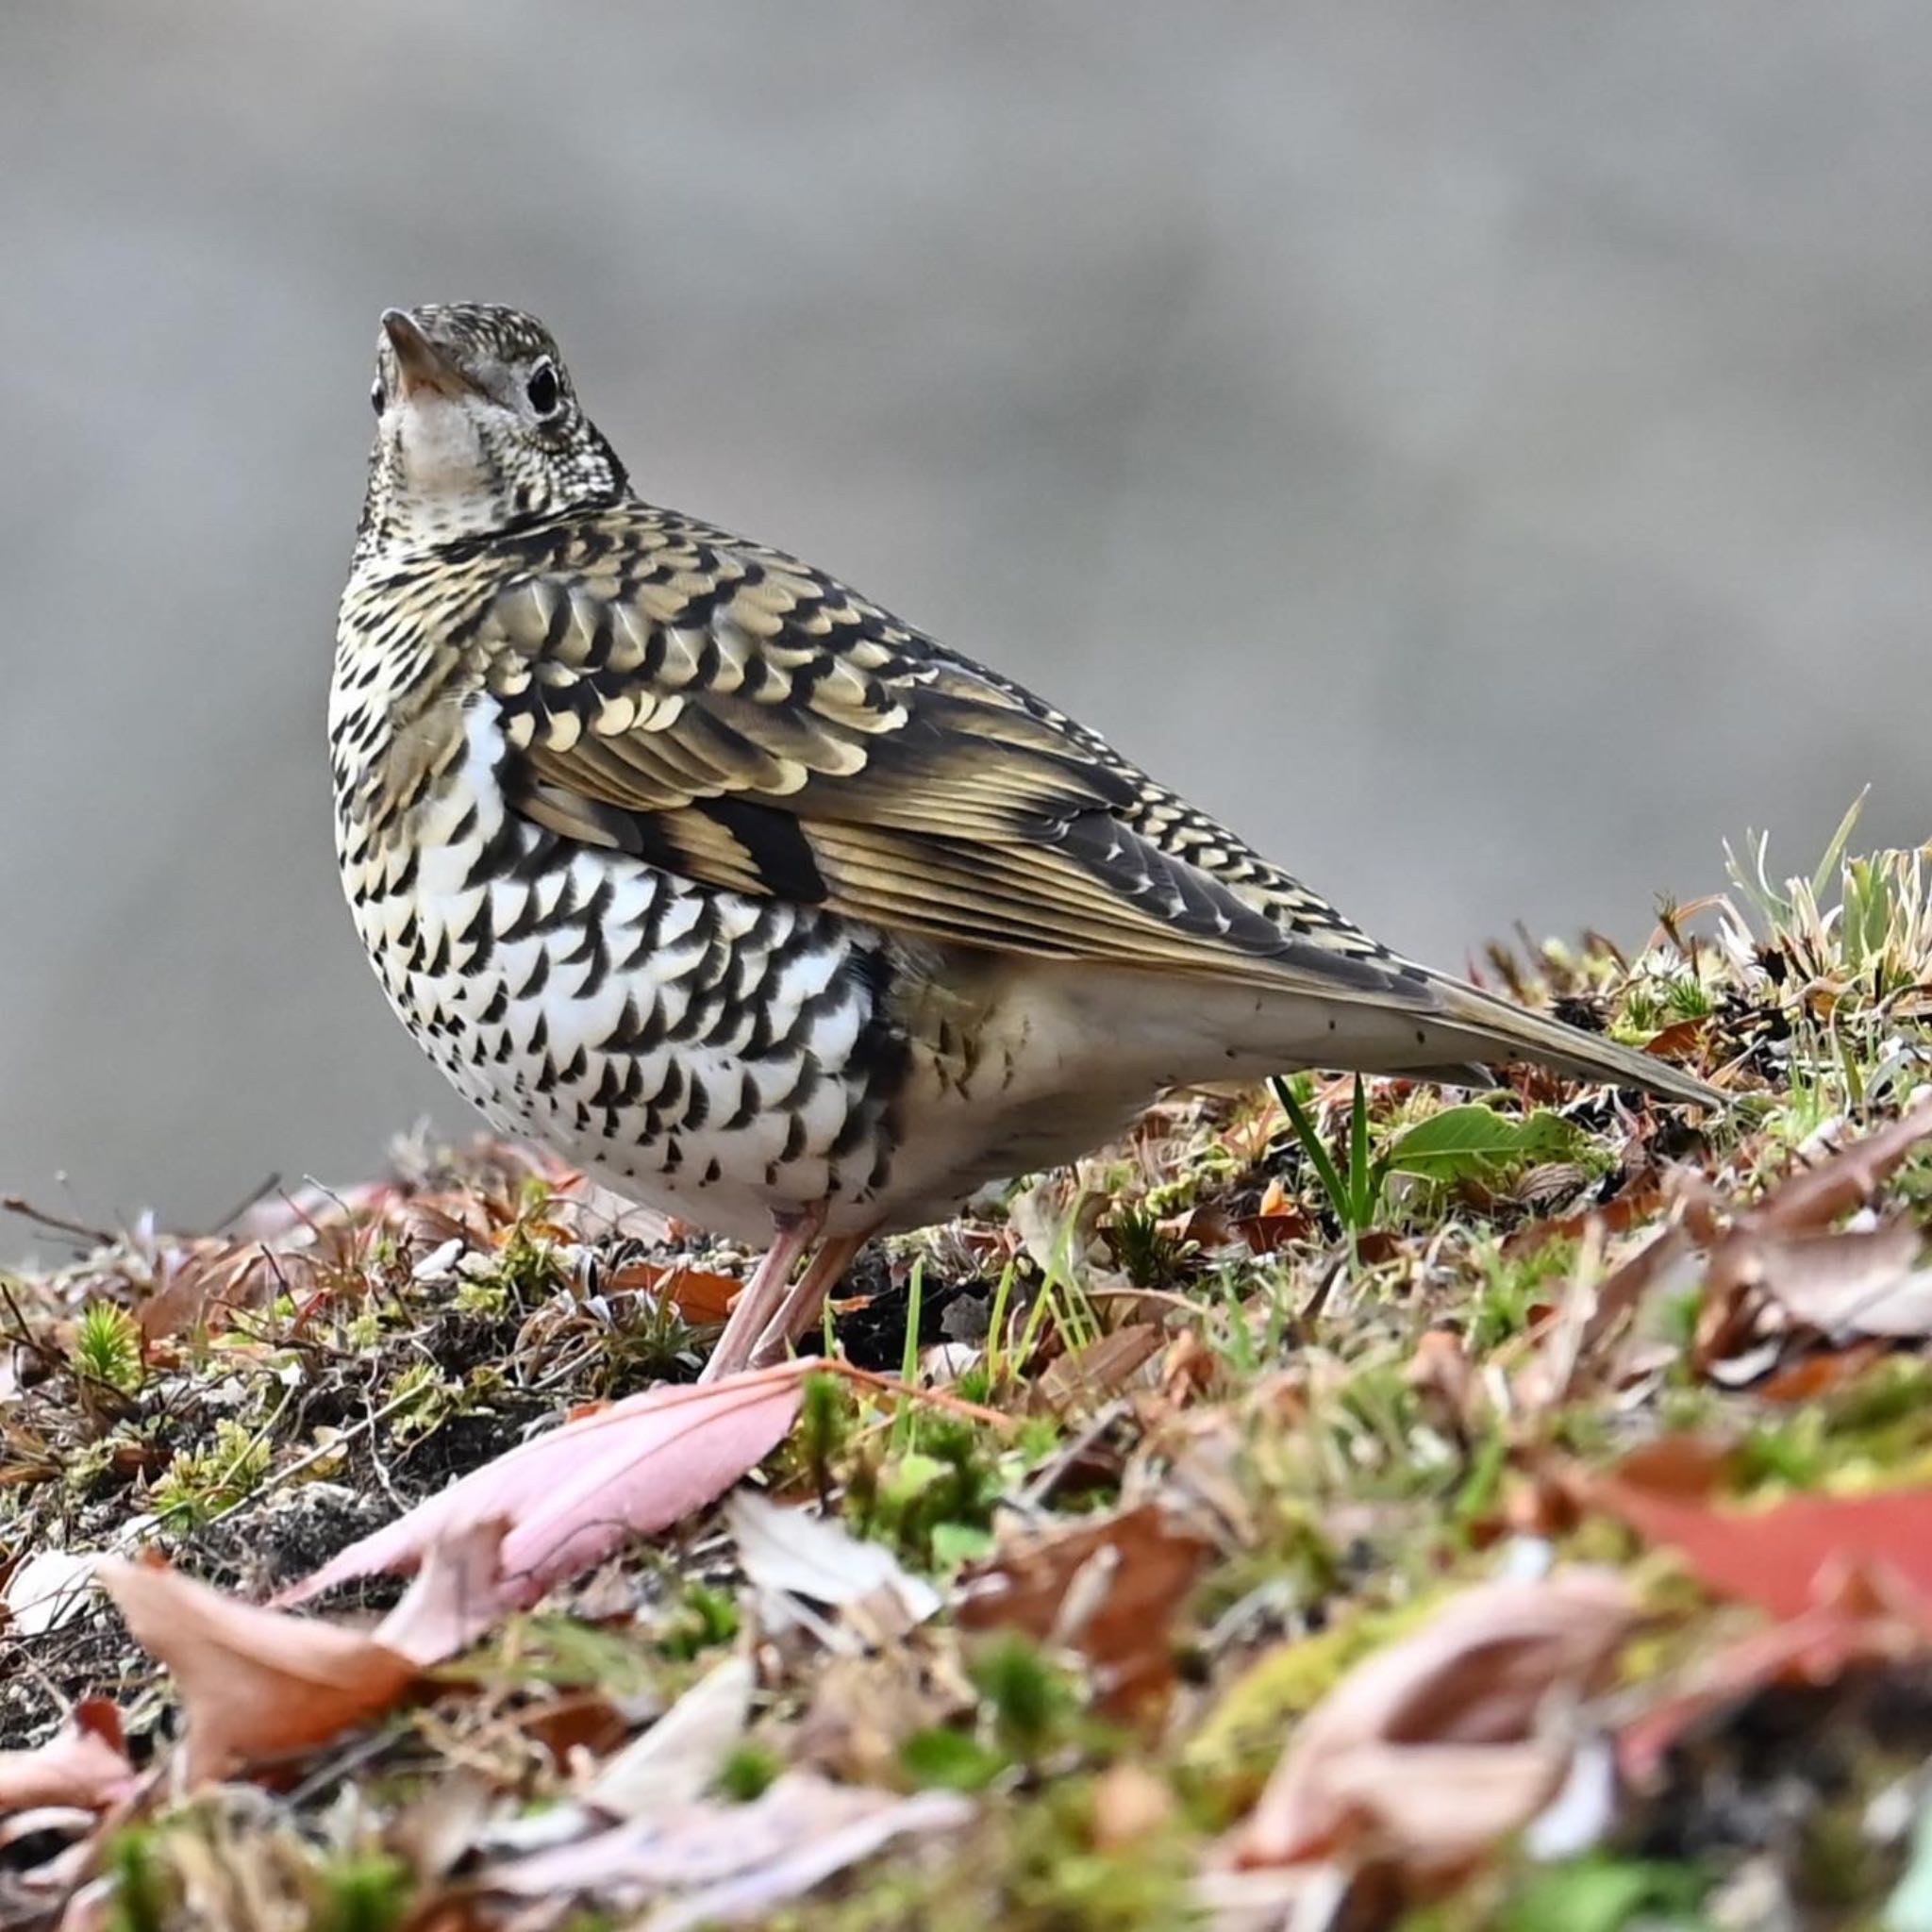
point(1329, 1377)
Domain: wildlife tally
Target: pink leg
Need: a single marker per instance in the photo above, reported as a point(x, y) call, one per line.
point(800, 1308)
point(761, 1294)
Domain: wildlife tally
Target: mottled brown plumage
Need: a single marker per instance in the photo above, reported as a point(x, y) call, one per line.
point(681, 854)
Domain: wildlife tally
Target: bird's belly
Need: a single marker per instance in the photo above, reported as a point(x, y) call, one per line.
point(711, 1055)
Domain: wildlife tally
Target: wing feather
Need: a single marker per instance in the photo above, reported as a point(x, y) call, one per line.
point(763, 730)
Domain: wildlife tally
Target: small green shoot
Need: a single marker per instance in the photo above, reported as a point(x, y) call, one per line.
point(106, 1347)
point(1354, 1196)
point(906, 1418)
point(951, 1760)
point(1030, 1700)
point(749, 1772)
point(203, 1484)
point(996, 1327)
point(366, 1893)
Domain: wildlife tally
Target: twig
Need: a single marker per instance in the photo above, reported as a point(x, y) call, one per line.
point(13, 1204)
point(23, 1334)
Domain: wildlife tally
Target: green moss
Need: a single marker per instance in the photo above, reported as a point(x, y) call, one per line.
point(201, 1484)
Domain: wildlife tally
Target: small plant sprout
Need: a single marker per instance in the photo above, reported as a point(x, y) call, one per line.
point(106, 1347)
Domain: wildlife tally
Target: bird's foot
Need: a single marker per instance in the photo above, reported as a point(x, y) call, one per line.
point(802, 1303)
point(752, 1313)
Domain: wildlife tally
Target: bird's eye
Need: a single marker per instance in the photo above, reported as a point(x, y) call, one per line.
point(542, 389)
point(375, 398)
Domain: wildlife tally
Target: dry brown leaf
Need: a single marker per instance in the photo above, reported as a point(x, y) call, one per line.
point(1639, 1201)
point(701, 1296)
point(1813, 1648)
point(1099, 1369)
point(253, 1683)
point(1847, 1179)
point(1435, 1748)
point(1821, 1375)
point(258, 1684)
point(570, 1497)
point(1108, 1589)
point(84, 1764)
point(1862, 1283)
point(1787, 1557)
point(1679, 1464)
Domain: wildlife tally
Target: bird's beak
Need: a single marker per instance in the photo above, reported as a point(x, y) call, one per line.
point(421, 368)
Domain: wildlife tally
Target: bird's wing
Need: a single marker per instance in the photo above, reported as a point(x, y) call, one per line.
point(730, 714)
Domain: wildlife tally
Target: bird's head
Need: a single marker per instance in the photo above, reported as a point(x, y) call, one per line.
point(477, 429)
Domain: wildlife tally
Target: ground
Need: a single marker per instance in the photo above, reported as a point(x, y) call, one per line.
point(1360, 1503)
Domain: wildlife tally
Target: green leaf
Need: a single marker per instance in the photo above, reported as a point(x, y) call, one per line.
point(1461, 1141)
point(1602, 1894)
point(951, 1760)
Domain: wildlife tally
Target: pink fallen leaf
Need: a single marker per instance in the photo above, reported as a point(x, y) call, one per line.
point(258, 1684)
point(1435, 1748)
point(570, 1497)
point(731, 1862)
point(458, 1593)
point(83, 1765)
point(1780, 1558)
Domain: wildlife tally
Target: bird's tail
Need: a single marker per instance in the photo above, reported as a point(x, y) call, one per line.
point(1499, 1031)
point(1171, 1032)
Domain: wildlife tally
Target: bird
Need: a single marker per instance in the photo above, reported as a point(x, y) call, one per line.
point(684, 858)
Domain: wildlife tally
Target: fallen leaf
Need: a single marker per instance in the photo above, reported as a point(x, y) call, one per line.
point(679, 1758)
point(1678, 1041)
point(1679, 1464)
point(253, 1683)
point(257, 1683)
point(1780, 1558)
point(570, 1497)
point(1821, 1375)
point(50, 1589)
point(458, 1593)
point(1108, 1589)
point(701, 1297)
point(1861, 1283)
point(1817, 1196)
point(1268, 1233)
point(797, 1552)
point(1436, 1747)
point(1814, 1648)
point(730, 1861)
point(84, 1764)
point(1099, 1368)
point(1638, 1203)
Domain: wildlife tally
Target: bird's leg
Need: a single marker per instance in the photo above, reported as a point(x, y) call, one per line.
point(801, 1306)
point(753, 1310)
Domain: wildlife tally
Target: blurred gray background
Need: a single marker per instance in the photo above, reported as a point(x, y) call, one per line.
point(1483, 450)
